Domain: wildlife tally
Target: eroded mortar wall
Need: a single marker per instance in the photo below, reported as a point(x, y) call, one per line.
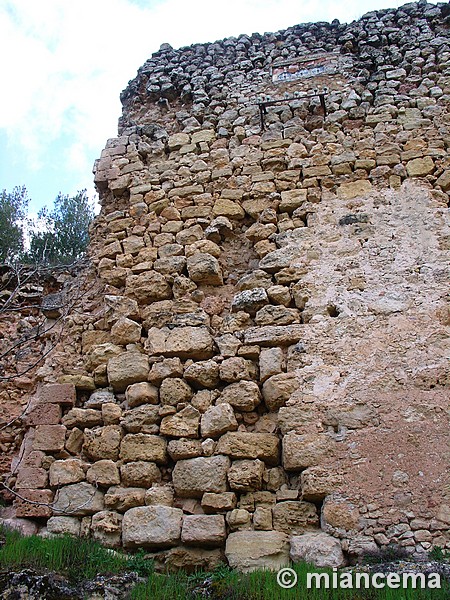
point(267, 357)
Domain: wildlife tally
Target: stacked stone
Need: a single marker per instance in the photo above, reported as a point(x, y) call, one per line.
point(192, 435)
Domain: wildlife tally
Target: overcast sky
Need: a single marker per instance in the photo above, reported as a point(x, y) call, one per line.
point(63, 65)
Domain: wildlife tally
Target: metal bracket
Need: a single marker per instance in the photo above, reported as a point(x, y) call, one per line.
point(263, 104)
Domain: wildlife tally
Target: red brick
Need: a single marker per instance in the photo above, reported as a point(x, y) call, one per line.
point(58, 393)
point(49, 438)
point(26, 510)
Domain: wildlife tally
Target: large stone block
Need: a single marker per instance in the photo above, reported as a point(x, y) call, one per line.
point(278, 389)
point(251, 550)
point(219, 503)
point(126, 369)
point(244, 395)
point(104, 473)
point(63, 472)
point(183, 424)
point(217, 420)
point(419, 167)
point(193, 477)
point(147, 287)
point(140, 474)
point(31, 478)
point(302, 451)
point(64, 526)
point(39, 505)
point(49, 438)
point(122, 499)
point(63, 393)
point(318, 548)
point(142, 419)
point(181, 342)
point(241, 444)
point(82, 417)
point(274, 335)
point(318, 482)
point(103, 442)
point(203, 530)
point(141, 393)
point(78, 499)
point(43, 414)
point(151, 527)
point(246, 475)
point(354, 189)
point(294, 516)
point(142, 446)
point(106, 528)
point(204, 268)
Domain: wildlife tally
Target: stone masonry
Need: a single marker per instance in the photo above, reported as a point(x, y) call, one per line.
point(264, 370)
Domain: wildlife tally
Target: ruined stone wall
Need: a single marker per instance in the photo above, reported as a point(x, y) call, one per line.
point(264, 367)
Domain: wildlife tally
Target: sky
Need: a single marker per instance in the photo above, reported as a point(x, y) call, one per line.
point(63, 65)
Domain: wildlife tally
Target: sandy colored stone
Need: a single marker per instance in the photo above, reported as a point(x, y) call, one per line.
point(302, 451)
point(292, 199)
point(142, 419)
point(122, 499)
point(237, 445)
point(31, 478)
point(111, 413)
point(147, 287)
point(181, 342)
point(317, 482)
point(236, 369)
point(203, 374)
point(217, 420)
point(195, 476)
point(125, 331)
point(217, 503)
point(104, 473)
point(49, 438)
point(228, 208)
point(204, 268)
point(184, 448)
point(78, 499)
point(203, 530)
point(294, 517)
point(151, 527)
point(274, 335)
point(102, 442)
point(106, 528)
point(141, 446)
point(278, 389)
point(82, 417)
point(183, 424)
point(244, 395)
point(140, 474)
point(320, 549)
point(174, 390)
point(64, 526)
point(126, 369)
point(419, 167)
point(63, 472)
point(162, 495)
point(339, 513)
point(270, 363)
point(251, 550)
point(354, 189)
point(246, 475)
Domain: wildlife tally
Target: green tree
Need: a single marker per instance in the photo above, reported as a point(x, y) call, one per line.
point(61, 235)
point(13, 208)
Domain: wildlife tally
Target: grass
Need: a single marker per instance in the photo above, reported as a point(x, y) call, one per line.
point(81, 559)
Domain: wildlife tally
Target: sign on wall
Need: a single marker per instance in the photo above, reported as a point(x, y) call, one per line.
point(303, 68)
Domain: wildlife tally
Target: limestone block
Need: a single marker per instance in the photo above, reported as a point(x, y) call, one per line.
point(262, 518)
point(219, 503)
point(142, 419)
point(82, 417)
point(204, 268)
point(31, 478)
point(181, 342)
point(102, 442)
point(281, 258)
point(125, 331)
point(151, 527)
point(354, 189)
point(141, 446)
point(240, 444)
point(295, 516)
point(43, 414)
point(103, 473)
point(183, 424)
point(251, 550)
point(181, 449)
point(147, 287)
point(106, 528)
point(318, 482)
point(111, 413)
point(175, 390)
point(244, 395)
point(100, 355)
point(246, 475)
point(278, 389)
point(255, 206)
point(339, 513)
point(444, 180)
point(255, 280)
point(319, 549)
point(217, 420)
point(168, 367)
point(140, 474)
point(274, 335)
point(126, 369)
point(122, 499)
point(277, 315)
point(49, 438)
point(302, 451)
point(228, 344)
point(352, 416)
point(75, 441)
point(64, 472)
point(98, 398)
point(203, 530)
point(270, 363)
point(419, 167)
point(162, 495)
point(192, 560)
point(192, 477)
point(79, 499)
point(236, 369)
point(250, 300)
point(64, 393)
point(292, 199)
point(228, 208)
point(177, 140)
point(64, 526)
point(239, 519)
point(203, 374)
point(33, 511)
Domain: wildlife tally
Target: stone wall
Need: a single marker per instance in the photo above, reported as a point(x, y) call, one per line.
point(264, 366)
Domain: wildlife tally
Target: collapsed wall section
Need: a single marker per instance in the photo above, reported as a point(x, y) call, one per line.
point(264, 371)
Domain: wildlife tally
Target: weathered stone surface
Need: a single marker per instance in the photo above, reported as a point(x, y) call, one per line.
point(246, 475)
point(419, 167)
point(151, 527)
point(301, 451)
point(82, 417)
point(147, 287)
point(141, 446)
point(49, 438)
point(236, 369)
point(64, 526)
point(31, 478)
point(63, 472)
point(40, 505)
point(264, 446)
point(319, 549)
point(126, 369)
point(103, 442)
point(203, 374)
point(181, 342)
point(354, 189)
point(98, 398)
point(270, 363)
point(204, 268)
point(278, 389)
point(339, 513)
point(183, 424)
point(142, 419)
point(141, 393)
point(252, 550)
point(180, 449)
point(219, 503)
point(195, 476)
point(103, 473)
point(43, 414)
point(125, 331)
point(292, 199)
point(140, 474)
point(217, 420)
point(122, 499)
point(294, 517)
point(274, 335)
point(244, 395)
point(162, 494)
point(203, 530)
point(106, 528)
point(167, 367)
point(174, 390)
point(250, 300)
point(64, 393)
point(318, 482)
point(79, 499)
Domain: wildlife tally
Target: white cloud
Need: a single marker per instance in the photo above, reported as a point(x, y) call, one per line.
point(64, 63)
